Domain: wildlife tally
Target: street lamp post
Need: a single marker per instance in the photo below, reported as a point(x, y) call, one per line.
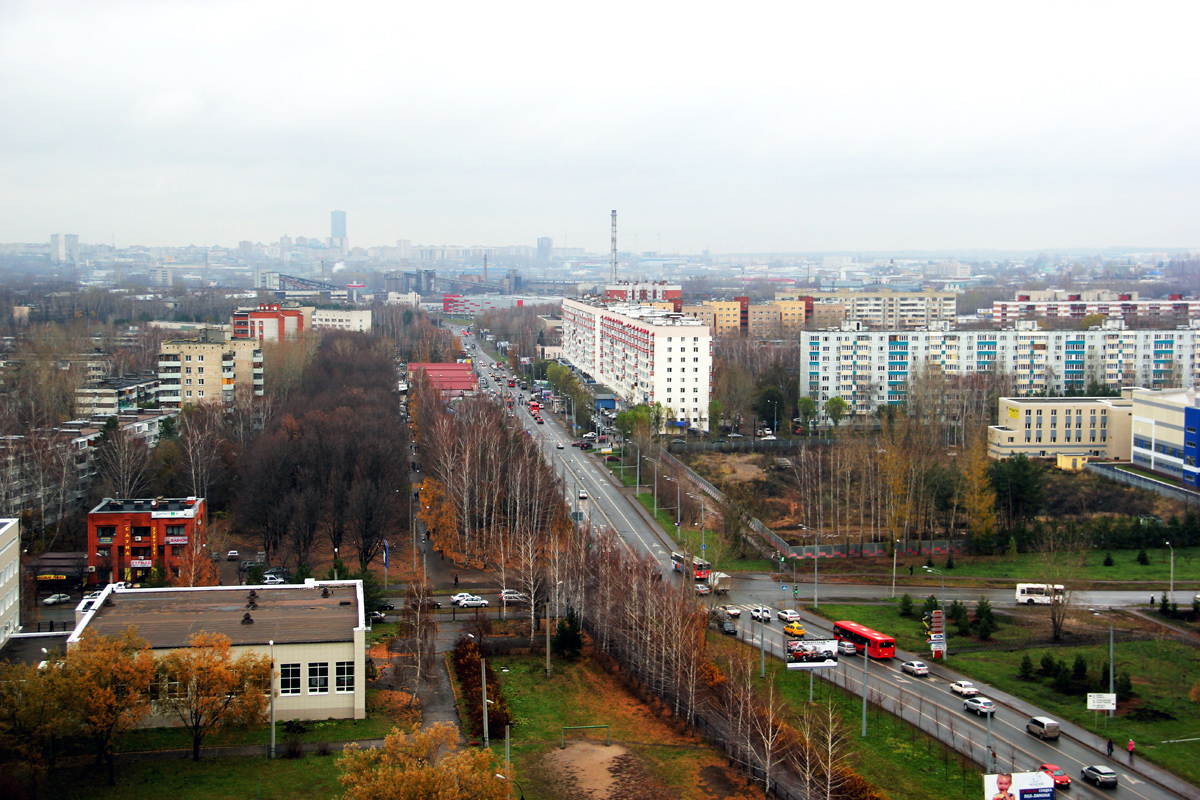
point(548, 626)
point(519, 789)
point(1171, 594)
point(895, 547)
point(271, 644)
point(335, 563)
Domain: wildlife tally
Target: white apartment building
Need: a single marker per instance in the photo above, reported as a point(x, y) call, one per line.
point(1058, 304)
point(10, 578)
point(888, 310)
point(358, 320)
point(207, 369)
point(1164, 433)
point(644, 355)
point(1044, 427)
point(869, 368)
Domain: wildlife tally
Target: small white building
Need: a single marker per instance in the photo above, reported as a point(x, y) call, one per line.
point(318, 631)
point(10, 578)
point(342, 319)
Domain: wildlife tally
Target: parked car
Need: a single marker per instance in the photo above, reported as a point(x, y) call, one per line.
point(964, 688)
point(473, 602)
point(375, 616)
point(272, 580)
point(736, 436)
point(512, 597)
point(728, 628)
point(703, 588)
point(847, 648)
point(583, 495)
point(385, 607)
point(1059, 775)
point(1099, 775)
point(794, 629)
point(732, 611)
point(1042, 727)
point(246, 565)
point(760, 613)
point(788, 615)
point(980, 705)
point(232, 555)
point(767, 438)
point(56, 599)
point(429, 604)
point(589, 435)
point(457, 598)
point(89, 599)
point(915, 668)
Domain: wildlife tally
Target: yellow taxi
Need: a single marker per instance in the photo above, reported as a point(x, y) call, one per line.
point(793, 629)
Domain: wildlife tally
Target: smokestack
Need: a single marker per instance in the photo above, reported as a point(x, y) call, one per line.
point(614, 246)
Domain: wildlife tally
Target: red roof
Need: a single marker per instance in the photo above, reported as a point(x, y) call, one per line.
point(448, 377)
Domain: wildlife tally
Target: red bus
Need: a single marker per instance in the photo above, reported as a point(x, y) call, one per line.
point(534, 407)
point(876, 644)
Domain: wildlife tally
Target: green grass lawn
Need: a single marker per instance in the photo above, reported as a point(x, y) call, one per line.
point(312, 777)
point(908, 631)
point(1163, 672)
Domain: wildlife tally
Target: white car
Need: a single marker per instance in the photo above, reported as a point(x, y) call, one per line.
point(460, 596)
point(583, 494)
point(511, 596)
point(272, 580)
point(767, 438)
point(732, 611)
point(964, 688)
point(589, 435)
point(558, 446)
point(980, 705)
point(760, 613)
point(915, 667)
point(473, 602)
point(56, 599)
point(90, 599)
point(788, 615)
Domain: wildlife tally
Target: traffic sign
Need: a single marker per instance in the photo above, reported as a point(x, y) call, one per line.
point(937, 637)
point(1097, 701)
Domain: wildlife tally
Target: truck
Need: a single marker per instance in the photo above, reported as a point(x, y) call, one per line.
point(719, 582)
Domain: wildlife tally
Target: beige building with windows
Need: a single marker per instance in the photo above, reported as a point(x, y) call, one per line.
point(1049, 427)
point(10, 578)
point(887, 309)
point(207, 369)
point(315, 633)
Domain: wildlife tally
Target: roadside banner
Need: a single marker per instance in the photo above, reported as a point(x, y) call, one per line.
point(1101, 701)
point(812, 654)
point(1018, 786)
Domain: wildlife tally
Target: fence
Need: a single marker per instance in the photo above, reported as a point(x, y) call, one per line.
point(745, 445)
point(1111, 472)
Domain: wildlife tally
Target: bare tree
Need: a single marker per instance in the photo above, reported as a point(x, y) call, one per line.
point(122, 462)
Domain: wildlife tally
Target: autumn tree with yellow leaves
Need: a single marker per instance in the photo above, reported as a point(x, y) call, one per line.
point(425, 762)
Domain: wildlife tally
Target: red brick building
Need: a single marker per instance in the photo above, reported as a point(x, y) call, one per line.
point(270, 322)
point(126, 538)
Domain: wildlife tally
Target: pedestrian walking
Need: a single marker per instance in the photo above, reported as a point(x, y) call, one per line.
point(456, 579)
point(1131, 751)
point(1110, 748)
point(1151, 599)
point(910, 569)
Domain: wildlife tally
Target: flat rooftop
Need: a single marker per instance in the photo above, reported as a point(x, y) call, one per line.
point(165, 508)
point(167, 618)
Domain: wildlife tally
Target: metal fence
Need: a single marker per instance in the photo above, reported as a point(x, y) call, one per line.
point(745, 445)
point(1111, 472)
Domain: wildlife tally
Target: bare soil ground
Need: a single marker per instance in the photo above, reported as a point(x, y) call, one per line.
point(598, 772)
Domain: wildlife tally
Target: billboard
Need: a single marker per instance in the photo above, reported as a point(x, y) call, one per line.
point(812, 654)
point(1018, 786)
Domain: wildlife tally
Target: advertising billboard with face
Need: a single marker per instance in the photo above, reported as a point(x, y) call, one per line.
point(1018, 786)
point(812, 654)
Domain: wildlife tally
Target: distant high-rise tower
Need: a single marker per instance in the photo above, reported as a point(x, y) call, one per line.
point(545, 248)
point(64, 248)
point(614, 246)
point(338, 225)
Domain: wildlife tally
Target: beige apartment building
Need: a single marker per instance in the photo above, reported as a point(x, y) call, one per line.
point(703, 312)
point(209, 368)
point(888, 309)
point(722, 317)
point(827, 314)
point(1048, 427)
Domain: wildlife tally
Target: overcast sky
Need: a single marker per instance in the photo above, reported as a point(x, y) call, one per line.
point(738, 127)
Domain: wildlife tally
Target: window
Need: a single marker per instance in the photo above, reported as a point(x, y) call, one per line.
point(344, 677)
point(318, 679)
point(289, 679)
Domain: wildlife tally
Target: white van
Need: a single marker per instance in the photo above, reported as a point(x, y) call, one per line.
point(1042, 727)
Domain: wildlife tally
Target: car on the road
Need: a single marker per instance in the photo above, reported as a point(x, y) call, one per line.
point(1099, 775)
point(767, 438)
point(232, 555)
point(375, 616)
point(539, 421)
point(473, 602)
point(589, 435)
point(385, 607)
point(56, 599)
point(558, 446)
point(512, 597)
point(736, 436)
point(455, 598)
point(429, 604)
point(794, 629)
point(703, 588)
point(728, 628)
point(731, 610)
point(915, 667)
point(583, 494)
point(847, 648)
point(1042, 727)
point(980, 705)
point(788, 615)
point(1059, 775)
point(247, 565)
point(964, 688)
point(272, 580)
point(760, 613)
point(90, 598)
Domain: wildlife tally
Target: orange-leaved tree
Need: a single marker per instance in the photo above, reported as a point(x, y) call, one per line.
point(437, 512)
point(107, 685)
point(196, 568)
point(32, 718)
point(205, 687)
point(425, 762)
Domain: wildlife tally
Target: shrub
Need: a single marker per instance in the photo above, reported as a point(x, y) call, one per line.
point(983, 613)
point(1025, 671)
point(961, 617)
point(1124, 686)
point(568, 638)
point(1143, 559)
point(1062, 678)
point(985, 631)
point(950, 561)
point(1108, 560)
point(930, 605)
point(929, 561)
point(906, 605)
point(1047, 664)
point(1079, 668)
point(1164, 607)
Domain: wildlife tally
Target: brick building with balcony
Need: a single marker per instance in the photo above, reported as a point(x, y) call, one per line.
point(126, 538)
point(209, 368)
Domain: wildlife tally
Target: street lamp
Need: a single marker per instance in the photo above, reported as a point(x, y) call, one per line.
point(271, 644)
point(702, 507)
point(519, 789)
point(548, 626)
point(1171, 594)
point(945, 633)
point(335, 563)
point(895, 548)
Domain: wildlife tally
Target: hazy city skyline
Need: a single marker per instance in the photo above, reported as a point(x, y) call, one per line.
point(783, 128)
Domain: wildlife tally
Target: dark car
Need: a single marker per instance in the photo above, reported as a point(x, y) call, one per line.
point(728, 628)
point(429, 604)
point(385, 607)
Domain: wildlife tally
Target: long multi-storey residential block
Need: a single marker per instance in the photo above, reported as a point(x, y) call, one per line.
point(887, 310)
point(207, 369)
point(1057, 304)
point(644, 355)
point(869, 368)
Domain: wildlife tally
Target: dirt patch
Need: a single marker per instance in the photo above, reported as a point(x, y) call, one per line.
point(584, 769)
